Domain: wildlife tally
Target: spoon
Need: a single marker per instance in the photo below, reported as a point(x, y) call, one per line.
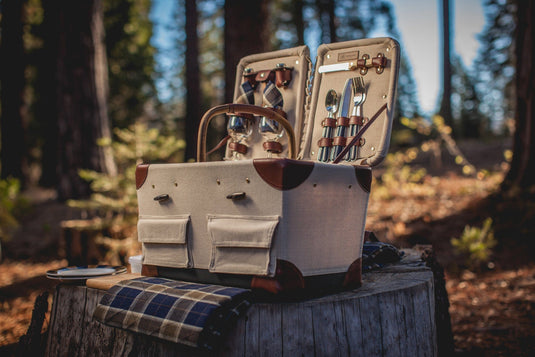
point(331, 104)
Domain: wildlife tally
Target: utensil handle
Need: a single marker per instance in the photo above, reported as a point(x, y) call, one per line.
point(239, 109)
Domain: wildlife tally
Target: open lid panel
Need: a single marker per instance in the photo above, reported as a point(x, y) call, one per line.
point(372, 62)
point(288, 70)
point(376, 62)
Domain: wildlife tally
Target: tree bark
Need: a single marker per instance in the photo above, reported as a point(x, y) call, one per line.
point(246, 33)
point(521, 174)
point(47, 110)
point(327, 20)
point(297, 15)
point(193, 88)
point(445, 104)
point(81, 86)
point(12, 65)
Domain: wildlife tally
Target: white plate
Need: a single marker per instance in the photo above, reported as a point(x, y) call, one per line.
point(84, 272)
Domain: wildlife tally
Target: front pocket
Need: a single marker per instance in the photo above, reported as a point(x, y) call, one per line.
point(164, 240)
point(242, 244)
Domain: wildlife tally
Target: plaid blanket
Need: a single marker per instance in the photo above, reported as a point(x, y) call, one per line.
point(193, 314)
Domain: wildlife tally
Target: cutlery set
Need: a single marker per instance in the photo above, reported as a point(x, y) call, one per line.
point(354, 94)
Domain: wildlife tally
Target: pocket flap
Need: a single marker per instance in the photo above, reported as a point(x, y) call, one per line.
point(169, 229)
point(242, 231)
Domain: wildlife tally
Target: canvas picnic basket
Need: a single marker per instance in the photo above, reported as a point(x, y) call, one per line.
point(286, 208)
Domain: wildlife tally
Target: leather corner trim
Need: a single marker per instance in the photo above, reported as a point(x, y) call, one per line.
point(353, 277)
point(283, 174)
point(287, 278)
point(364, 177)
point(149, 270)
point(142, 171)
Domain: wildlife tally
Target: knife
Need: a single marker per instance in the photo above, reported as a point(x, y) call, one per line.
point(327, 68)
point(347, 95)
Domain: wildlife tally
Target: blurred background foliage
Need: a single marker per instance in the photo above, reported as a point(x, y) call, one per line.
point(147, 98)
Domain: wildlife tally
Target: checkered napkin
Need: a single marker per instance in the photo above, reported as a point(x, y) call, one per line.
point(197, 315)
point(272, 96)
point(246, 93)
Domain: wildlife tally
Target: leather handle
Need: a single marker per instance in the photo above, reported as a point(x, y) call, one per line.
point(237, 109)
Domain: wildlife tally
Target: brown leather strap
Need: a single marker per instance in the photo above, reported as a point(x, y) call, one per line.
point(343, 121)
point(263, 76)
point(359, 142)
point(240, 148)
point(325, 142)
point(357, 120)
point(283, 76)
point(379, 61)
point(359, 134)
point(219, 145)
point(339, 141)
point(272, 146)
point(330, 122)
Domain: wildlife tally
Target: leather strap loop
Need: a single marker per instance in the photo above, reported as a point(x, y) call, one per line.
point(357, 120)
point(283, 77)
point(267, 75)
point(240, 148)
point(379, 61)
point(343, 121)
point(339, 141)
point(325, 142)
point(330, 122)
point(272, 146)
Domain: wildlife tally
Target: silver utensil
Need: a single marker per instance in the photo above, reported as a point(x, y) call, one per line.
point(331, 104)
point(347, 96)
point(359, 97)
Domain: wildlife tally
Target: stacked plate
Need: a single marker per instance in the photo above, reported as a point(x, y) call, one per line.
point(84, 272)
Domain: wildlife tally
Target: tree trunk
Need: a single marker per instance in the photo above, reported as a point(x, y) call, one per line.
point(327, 20)
point(521, 174)
point(46, 113)
point(193, 88)
point(12, 65)
point(81, 86)
point(445, 104)
point(297, 15)
point(246, 33)
point(392, 314)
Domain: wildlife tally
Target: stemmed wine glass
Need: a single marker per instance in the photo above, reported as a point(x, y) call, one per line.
point(271, 131)
point(239, 128)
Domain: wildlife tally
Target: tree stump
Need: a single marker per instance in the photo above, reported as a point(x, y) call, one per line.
point(392, 314)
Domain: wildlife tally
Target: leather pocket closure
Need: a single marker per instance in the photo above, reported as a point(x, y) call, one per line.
point(242, 244)
point(164, 240)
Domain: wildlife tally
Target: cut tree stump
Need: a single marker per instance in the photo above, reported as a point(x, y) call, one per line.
point(392, 314)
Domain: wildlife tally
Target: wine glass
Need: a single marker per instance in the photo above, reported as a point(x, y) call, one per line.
point(239, 128)
point(271, 131)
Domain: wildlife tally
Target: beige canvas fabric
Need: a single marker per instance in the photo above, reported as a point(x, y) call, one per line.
point(318, 226)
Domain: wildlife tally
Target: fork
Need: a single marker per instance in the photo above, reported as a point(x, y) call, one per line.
point(359, 96)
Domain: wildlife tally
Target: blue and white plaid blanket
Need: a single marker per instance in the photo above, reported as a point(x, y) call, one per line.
point(193, 314)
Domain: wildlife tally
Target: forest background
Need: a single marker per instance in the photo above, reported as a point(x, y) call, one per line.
point(80, 108)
